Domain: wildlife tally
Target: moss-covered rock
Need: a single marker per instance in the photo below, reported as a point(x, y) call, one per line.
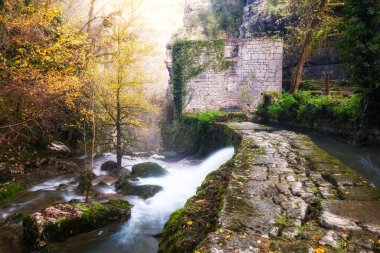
point(56, 223)
point(109, 166)
point(148, 169)
point(199, 133)
point(188, 226)
point(142, 191)
point(8, 191)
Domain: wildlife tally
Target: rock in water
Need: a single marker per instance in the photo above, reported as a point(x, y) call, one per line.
point(148, 169)
point(142, 191)
point(59, 147)
point(56, 223)
point(62, 188)
point(109, 166)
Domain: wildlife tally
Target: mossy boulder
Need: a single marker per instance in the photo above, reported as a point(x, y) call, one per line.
point(109, 166)
point(188, 226)
point(148, 169)
point(58, 222)
point(142, 191)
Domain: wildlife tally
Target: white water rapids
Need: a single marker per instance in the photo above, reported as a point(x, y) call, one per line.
point(148, 216)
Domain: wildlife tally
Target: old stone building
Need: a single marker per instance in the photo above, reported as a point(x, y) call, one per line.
point(256, 68)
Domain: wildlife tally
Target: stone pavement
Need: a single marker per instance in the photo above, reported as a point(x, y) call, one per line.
point(287, 195)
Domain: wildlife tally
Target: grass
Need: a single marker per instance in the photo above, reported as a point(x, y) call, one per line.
point(9, 190)
point(206, 116)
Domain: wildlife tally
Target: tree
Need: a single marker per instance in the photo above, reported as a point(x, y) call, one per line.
point(42, 57)
point(307, 23)
point(361, 52)
point(121, 78)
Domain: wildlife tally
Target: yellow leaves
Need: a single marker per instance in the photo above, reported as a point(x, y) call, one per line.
point(228, 237)
point(189, 223)
point(319, 250)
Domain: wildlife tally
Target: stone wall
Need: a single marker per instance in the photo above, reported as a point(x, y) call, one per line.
point(256, 68)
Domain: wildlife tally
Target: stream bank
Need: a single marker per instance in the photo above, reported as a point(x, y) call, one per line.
point(284, 194)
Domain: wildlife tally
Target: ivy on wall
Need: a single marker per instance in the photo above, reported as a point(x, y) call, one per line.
point(191, 58)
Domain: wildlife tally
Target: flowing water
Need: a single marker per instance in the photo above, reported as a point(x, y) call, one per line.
point(364, 160)
point(148, 216)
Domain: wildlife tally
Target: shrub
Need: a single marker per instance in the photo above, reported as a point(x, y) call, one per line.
point(307, 108)
point(349, 108)
point(284, 109)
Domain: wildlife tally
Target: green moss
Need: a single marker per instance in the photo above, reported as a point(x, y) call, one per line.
point(206, 116)
point(188, 226)
point(76, 218)
point(281, 220)
point(147, 169)
point(191, 58)
point(143, 191)
point(199, 133)
point(51, 247)
point(9, 190)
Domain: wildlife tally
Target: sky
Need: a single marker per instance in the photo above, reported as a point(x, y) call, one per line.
point(161, 19)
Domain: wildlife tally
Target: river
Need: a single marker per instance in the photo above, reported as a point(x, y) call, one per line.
point(138, 235)
point(363, 159)
point(148, 216)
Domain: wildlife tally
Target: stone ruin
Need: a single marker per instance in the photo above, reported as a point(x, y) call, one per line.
point(256, 68)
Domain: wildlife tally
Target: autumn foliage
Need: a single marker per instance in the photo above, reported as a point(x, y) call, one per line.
point(41, 60)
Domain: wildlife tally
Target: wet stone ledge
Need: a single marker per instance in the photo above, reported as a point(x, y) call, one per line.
point(284, 194)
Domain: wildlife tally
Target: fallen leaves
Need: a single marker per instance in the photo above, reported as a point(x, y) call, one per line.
point(201, 202)
point(319, 250)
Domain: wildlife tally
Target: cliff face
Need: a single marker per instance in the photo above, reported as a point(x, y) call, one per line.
point(194, 19)
point(258, 21)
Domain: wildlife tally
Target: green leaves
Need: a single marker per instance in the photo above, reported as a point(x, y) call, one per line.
point(361, 39)
point(191, 58)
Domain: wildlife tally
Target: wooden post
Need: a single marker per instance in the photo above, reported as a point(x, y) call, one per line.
point(327, 81)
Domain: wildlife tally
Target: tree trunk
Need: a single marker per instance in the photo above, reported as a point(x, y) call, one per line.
point(119, 153)
point(85, 155)
point(89, 173)
point(307, 46)
point(90, 15)
point(47, 4)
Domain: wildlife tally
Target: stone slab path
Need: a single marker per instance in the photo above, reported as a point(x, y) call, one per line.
point(287, 195)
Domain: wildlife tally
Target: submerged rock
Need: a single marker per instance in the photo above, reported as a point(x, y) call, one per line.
point(142, 191)
point(58, 222)
point(148, 169)
point(62, 187)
